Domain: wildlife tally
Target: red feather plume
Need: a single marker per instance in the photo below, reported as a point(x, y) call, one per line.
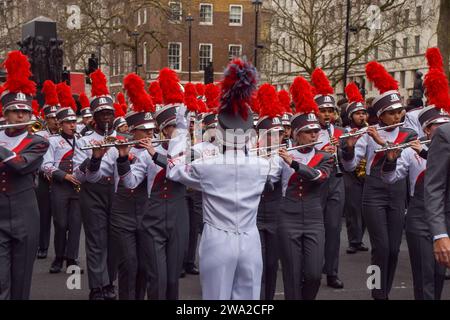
point(380, 78)
point(65, 97)
point(51, 96)
point(302, 96)
point(285, 101)
point(121, 98)
point(254, 103)
point(35, 106)
point(353, 94)
point(212, 95)
point(321, 83)
point(118, 110)
point(436, 82)
point(155, 92)
point(434, 58)
point(268, 101)
point(170, 86)
point(190, 97)
point(99, 84)
point(84, 101)
point(135, 87)
point(202, 107)
point(18, 79)
point(201, 89)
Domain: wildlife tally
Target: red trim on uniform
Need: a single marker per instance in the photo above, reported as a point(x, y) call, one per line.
point(420, 177)
point(336, 134)
point(24, 143)
point(315, 160)
point(67, 155)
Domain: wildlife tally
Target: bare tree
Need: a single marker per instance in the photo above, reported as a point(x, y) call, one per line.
point(442, 33)
point(311, 33)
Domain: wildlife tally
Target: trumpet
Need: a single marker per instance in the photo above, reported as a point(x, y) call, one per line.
point(119, 144)
point(399, 146)
point(361, 132)
point(36, 125)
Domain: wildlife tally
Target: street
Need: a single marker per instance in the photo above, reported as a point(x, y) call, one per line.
point(352, 271)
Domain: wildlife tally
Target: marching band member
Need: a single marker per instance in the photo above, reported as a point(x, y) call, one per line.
point(58, 165)
point(301, 228)
point(130, 204)
point(270, 132)
point(97, 192)
point(428, 274)
point(21, 154)
point(356, 113)
point(231, 183)
point(383, 204)
point(43, 190)
point(165, 221)
point(335, 195)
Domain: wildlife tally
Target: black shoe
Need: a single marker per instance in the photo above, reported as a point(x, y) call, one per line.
point(335, 282)
point(192, 270)
point(109, 292)
point(73, 263)
point(57, 265)
point(182, 274)
point(362, 247)
point(96, 294)
point(352, 250)
point(42, 253)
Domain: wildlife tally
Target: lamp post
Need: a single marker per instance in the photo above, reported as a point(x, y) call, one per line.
point(257, 5)
point(135, 34)
point(189, 20)
point(348, 29)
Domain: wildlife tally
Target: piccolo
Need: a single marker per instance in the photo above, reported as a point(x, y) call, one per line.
point(118, 144)
point(399, 146)
point(361, 132)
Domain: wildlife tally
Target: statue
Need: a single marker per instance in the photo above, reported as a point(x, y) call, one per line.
point(40, 62)
point(418, 86)
point(55, 60)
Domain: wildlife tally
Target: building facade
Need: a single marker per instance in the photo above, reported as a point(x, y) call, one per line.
point(220, 30)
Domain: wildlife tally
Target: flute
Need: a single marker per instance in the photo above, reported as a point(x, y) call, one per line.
point(360, 132)
point(399, 146)
point(312, 144)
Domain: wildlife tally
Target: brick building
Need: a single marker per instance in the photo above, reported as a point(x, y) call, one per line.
point(221, 29)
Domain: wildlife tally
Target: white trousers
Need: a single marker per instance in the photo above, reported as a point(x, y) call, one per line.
point(230, 264)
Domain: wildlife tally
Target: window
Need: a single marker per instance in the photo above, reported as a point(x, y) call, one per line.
point(419, 15)
point(128, 61)
point(394, 48)
point(405, 47)
point(174, 56)
point(234, 51)
point(139, 17)
point(175, 11)
point(115, 67)
point(406, 17)
point(144, 11)
point(402, 78)
point(417, 45)
point(206, 13)
point(330, 59)
point(205, 55)
point(375, 53)
point(235, 15)
point(323, 60)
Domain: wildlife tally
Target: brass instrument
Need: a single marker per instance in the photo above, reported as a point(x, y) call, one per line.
point(361, 132)
point(399, 146)
point(109, 143)
point(35, 125)
point(361, 169)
